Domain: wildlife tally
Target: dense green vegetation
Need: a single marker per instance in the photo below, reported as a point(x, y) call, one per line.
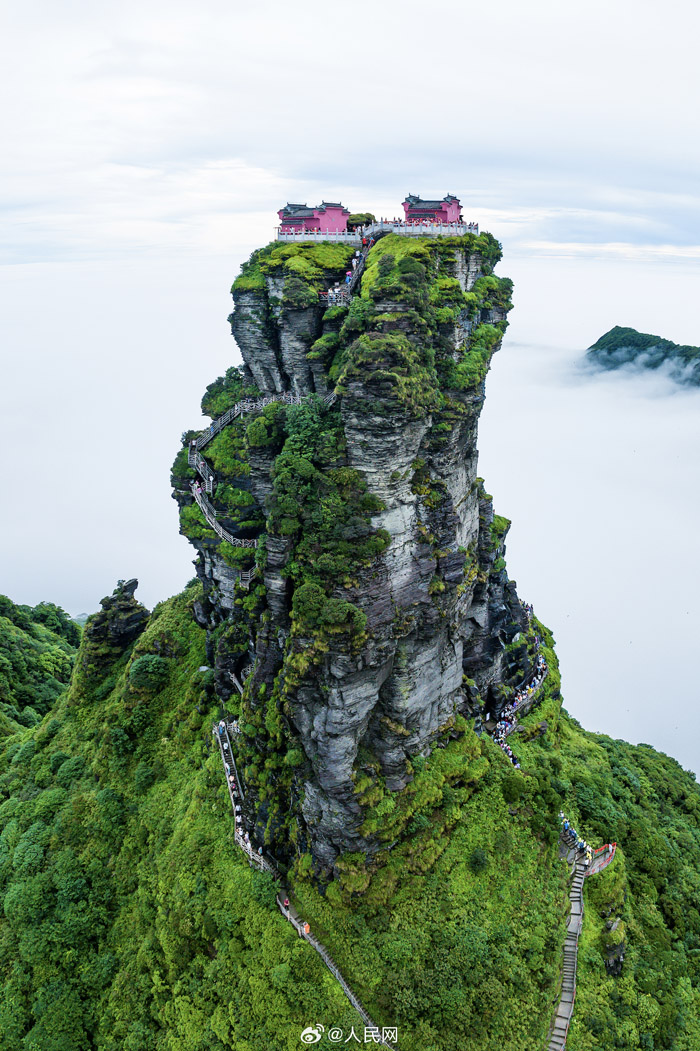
point(320, 506)
point(225, 392)
point(625, 346)
point(37, 650)
point(131, 920)
point(359, 219)
point(308, 263)
point(395, 344)
point(398, 334)
point(643, 800)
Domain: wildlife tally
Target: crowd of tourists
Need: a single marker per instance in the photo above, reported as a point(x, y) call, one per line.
point(500, 739)
point(572, 839)
point(472, 228)
point(525, 692)
point(507, 719)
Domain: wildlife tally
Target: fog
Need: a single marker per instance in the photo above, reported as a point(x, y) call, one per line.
point(600, 475)
point(598, 472)
point(146, 152)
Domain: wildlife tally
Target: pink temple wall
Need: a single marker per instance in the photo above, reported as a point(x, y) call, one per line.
point(332, 220)
point(453, 210)
point(446, 213)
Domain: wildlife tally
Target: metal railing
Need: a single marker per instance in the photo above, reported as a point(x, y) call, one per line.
point(349, 236)
point(420, 229)
point(210, 514)
point(565, 1009)
point(194, 459)
point(228, 748)
point(238, 683)
point(335, 298)
point(242, 407)
point(344, 295)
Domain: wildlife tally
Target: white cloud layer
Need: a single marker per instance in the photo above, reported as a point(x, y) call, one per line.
point(147, 147)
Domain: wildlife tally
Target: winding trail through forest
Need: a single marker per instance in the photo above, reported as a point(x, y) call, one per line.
point(600, 859)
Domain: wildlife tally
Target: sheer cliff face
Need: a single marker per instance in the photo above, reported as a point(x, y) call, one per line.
point(386, 609)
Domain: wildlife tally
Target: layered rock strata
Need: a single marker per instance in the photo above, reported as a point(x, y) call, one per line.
point(358, 667)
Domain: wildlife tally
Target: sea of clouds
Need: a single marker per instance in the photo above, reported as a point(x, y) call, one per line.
point(600, 475)
point(147, 151)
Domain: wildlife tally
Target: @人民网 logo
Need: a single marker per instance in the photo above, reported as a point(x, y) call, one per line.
point(312, 1034)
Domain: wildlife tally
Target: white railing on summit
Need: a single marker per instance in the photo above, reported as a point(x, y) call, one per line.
point(258, 859)
point(411, 229)
point(417, 229)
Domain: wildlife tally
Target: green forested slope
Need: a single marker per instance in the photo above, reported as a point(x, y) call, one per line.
point(37, 648)
point(651, 806)
point(131, 921)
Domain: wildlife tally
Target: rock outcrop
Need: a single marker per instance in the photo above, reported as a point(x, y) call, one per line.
point(382, 614)
point(109, 633)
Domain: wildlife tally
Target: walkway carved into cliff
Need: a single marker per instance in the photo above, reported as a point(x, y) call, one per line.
point(257, 859)
point(524, 699)
point(196, 460)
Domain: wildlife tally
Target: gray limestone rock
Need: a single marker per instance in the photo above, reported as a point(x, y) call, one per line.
point(439, 609)
point(112, 630)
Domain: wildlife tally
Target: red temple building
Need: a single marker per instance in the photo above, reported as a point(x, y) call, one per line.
point(327, 217)
point(448, 210)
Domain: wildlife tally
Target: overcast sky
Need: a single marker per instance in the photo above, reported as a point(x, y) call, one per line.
point(147, 147)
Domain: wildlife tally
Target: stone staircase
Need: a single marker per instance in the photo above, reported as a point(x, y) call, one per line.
point(565, 1009)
